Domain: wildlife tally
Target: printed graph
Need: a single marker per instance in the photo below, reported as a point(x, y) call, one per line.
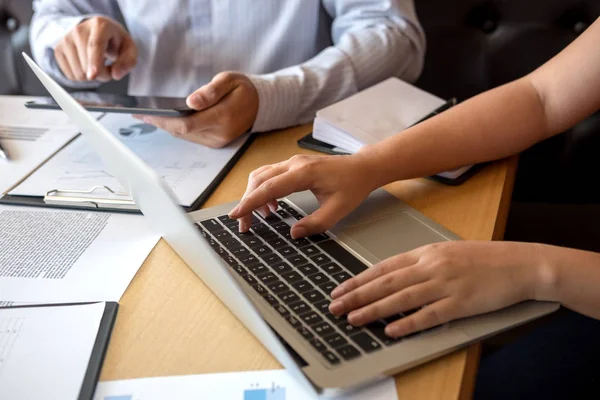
point(272, 393)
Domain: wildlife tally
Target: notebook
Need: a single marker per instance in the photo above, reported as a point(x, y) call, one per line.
point(377, 113)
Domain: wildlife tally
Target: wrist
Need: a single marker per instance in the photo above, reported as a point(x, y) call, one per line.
point(373, 163)
point(546, 266)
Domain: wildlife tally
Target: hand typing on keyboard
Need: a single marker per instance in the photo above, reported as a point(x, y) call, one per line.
point(339, 183)
point(451, 280)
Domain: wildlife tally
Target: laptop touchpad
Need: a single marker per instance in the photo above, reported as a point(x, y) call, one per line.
point(392, 234)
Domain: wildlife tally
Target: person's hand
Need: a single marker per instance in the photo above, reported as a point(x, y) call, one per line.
point(82, 52)
point(340, 184)
point(450, 279)
point(226, 109)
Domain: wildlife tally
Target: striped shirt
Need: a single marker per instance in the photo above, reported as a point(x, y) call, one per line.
point(301, 55)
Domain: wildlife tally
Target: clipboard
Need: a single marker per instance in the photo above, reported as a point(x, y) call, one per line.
point(91, 199)
point(92, 374)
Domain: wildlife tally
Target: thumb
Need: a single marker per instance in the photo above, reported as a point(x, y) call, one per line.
point(126, 59)
point(330, 213)
point(211, 93)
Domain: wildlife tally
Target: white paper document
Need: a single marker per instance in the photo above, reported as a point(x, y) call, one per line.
point(52, 256)
point(253, 385)
point(45, 351)
point(187, 168)
point(29, 137)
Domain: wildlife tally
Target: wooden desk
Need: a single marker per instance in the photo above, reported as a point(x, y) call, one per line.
point(170, 323)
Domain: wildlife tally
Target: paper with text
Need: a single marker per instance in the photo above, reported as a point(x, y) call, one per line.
point(45, 351)
point(51, 256)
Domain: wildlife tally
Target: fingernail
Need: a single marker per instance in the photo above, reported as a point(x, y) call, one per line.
point(338, 291)
point(242, 226)
point(233, 213)
point(354, 317)
point(392, 331)
point(90, 73)
point(273, 208)
point(336, 307)
point(298, 232)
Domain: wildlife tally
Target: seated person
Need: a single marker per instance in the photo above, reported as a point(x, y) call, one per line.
point(463, 278)
point(291, 57)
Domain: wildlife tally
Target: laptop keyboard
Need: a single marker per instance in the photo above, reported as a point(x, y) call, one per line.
point(295, 277)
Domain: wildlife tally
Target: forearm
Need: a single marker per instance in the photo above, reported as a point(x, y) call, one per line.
point(366, 50)
point(492, 125)
point(570, 277)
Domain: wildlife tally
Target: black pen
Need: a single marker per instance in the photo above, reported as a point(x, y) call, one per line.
point(3, 153)
point(438, 110)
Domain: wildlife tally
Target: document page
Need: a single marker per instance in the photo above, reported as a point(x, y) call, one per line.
point(52, 256)
point(187, 168)
point(45, 351)
point(252, 385)
point(29, 137)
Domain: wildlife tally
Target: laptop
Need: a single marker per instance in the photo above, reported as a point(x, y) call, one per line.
point(279, 287)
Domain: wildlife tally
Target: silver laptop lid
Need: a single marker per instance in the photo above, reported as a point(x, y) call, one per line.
point(157, 203)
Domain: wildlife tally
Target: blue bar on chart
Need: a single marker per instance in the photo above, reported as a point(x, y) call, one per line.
point(265, 394)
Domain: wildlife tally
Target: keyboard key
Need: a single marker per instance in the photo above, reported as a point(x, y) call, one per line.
point(259, 269)
point(272, 219)
point(300, 307)
point(318, 345)
point(287, 251)
point(308, 269)
point(293, 321)
point(282, 310)
point(319, 238)
point(283, 204)
point(323, 329)
point(277, 243)
point(311, 318)
point(271, 299)
point(231, 261)
point(306, 334)
point(281, 226)
point(348, 352)
point(322, 306)
point(297, 260)
point(260, 228)
point(299, 243)
point(250, 279)
point(278, 287)
point(281, 268)
point(332, 358)
point(283, 214)
point(222, 235)
point(269, 277)
point(262, 250)
point(249, 260)
point(343, 257)
point(378, 330)
point(320, 259)
point(267, 235)
point(341, 276)
point(260, 289)
point(328, 287)
point(291, 276)
point(334, 318)
point(231, 243)
point(239, 269)
point(331, 268)
point(225, 219)
point(240, 252)
point(211, 225)
point(272, 258)
point(303, 286)
point(313, 296)
point(318, 278)
point(310, 250)
point(203, 231)
point(365, 342)
point(288, 297)
point(222, 252)
point(348, 329)
point(336, 340)
point(252, 241)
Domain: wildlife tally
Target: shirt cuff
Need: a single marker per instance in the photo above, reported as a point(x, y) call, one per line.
point(278, 101)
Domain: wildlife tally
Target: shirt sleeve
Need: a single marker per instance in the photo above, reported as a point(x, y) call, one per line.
point(52, 20)
point(372, 41)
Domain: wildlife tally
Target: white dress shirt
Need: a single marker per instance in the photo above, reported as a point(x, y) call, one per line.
point(301, 55)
